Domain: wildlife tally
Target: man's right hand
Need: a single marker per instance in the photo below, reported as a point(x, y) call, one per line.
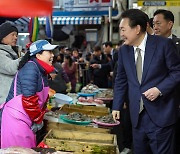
point(95, 65)
point(116, 115)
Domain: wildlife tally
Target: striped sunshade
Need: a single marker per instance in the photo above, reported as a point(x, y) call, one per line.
point(75, 20)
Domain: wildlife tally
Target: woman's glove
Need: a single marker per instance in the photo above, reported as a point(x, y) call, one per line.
point(32, 108)
point(36, 127)
point(68, 85)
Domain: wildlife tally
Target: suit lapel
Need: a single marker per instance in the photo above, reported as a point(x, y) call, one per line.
point(176, 41)
point(132, 60)
point(149, 52)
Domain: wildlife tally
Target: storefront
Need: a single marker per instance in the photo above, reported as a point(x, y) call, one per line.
point(72, 18)
point(86, 17)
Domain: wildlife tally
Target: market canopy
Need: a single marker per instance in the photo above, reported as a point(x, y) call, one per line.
point(22, 21)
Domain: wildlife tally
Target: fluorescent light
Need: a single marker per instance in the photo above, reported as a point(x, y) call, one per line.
point(23, 34)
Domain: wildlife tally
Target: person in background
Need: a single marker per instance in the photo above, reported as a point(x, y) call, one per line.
point(108, 49)
point(75, 55)
point(163, 22)
point(79, 63)
point(88, 57)
point(82, 73)
point(70, 68)
point(151, 23)
point(25, 106)
point(9, 59)
point(61, 53)
point(111, 55)
point(150, 26)
point(149, 70)
point(59, 80)
point(99, 75)
point(111, 52)
point(68, 51)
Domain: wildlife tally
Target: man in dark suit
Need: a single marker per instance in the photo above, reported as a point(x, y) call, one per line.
point(99, 76)
point(110, 52)
point(149, 68)
point(112, 56)
point(163, 22)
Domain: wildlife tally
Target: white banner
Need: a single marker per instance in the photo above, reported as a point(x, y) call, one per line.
point(86, 5)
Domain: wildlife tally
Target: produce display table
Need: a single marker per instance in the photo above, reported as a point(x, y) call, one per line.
point(81, 142)
point(90, 138)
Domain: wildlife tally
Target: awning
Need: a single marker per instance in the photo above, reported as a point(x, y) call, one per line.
point(87, 20)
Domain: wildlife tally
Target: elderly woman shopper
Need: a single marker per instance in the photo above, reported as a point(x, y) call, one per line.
point(9, 60)
point(70, 68)
point(25, 106)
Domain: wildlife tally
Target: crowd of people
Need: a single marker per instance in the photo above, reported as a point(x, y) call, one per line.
point(143, 69)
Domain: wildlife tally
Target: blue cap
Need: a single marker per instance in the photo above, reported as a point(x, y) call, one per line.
point(41, 45)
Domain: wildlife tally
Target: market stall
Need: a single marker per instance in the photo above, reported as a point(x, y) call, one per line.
point(83, 124)
point(77, 123)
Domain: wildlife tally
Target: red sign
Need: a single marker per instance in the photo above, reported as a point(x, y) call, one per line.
point(106, 1)
point(103, 1)
point(94, 1)
point(30, 8)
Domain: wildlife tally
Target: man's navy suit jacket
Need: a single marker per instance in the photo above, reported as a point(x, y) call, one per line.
point(161, 69)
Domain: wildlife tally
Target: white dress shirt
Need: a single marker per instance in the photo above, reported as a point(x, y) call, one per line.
point(142, 46)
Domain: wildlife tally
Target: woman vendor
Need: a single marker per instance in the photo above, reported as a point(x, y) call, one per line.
point(25, 105)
